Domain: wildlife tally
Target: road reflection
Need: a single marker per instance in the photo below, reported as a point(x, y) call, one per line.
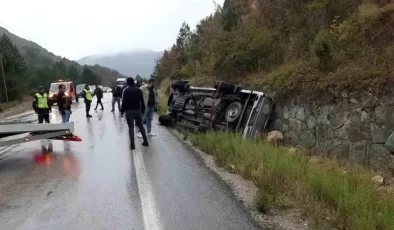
point(63, 163)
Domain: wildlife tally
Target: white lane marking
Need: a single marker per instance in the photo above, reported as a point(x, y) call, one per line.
point(5, 149)
point(149, 211)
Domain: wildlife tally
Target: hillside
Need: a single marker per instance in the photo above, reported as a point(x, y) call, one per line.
point(127, 63)
point(308, 47)
point(38, 57)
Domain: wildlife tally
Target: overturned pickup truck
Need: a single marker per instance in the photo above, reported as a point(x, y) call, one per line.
point(226, 107)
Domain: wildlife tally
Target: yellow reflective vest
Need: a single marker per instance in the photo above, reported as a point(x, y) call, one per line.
point(42, 101)
point(88, 94)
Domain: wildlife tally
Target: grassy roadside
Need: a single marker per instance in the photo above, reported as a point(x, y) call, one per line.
point(163, 98)
point(15, 107)
point(344, 197)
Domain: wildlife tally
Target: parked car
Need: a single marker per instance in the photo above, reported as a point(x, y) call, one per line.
point(224, 107)
point(80, 87)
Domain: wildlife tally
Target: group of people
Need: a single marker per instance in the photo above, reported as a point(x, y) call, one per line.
point(42, 106)
point(138, 104)
point(88, 98)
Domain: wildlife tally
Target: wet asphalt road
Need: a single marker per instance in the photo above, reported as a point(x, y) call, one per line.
point(100, 184)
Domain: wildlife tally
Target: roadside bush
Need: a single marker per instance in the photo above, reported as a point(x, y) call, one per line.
point(163, 99)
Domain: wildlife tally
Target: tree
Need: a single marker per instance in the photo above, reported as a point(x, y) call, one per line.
point(138, 77)
point(43, 77)
point(231, 14)
point(155, 73)
point(89, 77)
point(73, 73)
point(61, 69)
point(182, 42)
point(15, 70)
point(183, 38)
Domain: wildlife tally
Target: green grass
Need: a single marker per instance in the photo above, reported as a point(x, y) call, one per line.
point(5, 106)
point(322, 189)
point(163, 98)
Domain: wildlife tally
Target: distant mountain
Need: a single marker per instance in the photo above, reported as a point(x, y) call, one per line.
point(139, 62)
point(33, 53)
point(37, 56)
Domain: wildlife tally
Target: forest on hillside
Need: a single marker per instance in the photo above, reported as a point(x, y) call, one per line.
point(307, 47)
point(21, 78)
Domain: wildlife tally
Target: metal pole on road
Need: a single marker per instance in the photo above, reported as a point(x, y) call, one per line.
point(2, 71)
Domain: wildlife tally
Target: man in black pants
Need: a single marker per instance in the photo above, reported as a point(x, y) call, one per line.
point(133, 105)
point(41, 106)
point(99, 94)
point(88, 96)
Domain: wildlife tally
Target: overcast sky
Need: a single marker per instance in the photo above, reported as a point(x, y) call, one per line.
point(77, 28)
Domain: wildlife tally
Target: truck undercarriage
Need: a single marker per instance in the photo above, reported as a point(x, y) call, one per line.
point(225, 107)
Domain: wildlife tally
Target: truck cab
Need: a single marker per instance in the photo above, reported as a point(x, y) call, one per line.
point(70, 90)
point(120, 82)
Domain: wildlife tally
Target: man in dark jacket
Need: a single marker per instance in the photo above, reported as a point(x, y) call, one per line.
point(116, 95)
point(99, 94)
point(64, 104)
point(41, 106)
point(133, 105)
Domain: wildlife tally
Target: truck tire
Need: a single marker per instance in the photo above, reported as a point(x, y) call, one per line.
point(233, 112)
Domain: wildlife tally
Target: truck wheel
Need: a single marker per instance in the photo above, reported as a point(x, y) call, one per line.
point(233, 112)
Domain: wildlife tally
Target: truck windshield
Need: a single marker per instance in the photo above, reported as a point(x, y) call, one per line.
point(55, 86)
point(120, 82)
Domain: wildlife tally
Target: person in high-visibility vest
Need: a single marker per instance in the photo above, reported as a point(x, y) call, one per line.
point(41, 105)
point(88, 96)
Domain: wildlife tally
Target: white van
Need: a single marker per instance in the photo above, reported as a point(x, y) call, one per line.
point(122, 81)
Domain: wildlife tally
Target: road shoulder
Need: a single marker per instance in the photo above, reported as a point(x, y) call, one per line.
point(16, 109)
point(246, 192)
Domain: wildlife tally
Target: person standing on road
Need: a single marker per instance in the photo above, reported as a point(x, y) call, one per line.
point(88, 96)
point(151, 101)
point(116, 95)
point(64, 104)
point(99, 94)
point(133, 105)
point(41, 106)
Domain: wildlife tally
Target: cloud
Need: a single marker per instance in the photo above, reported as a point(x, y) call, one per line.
point(76, 28)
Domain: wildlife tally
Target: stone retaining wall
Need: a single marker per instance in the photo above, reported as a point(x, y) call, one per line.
point(359, 129)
